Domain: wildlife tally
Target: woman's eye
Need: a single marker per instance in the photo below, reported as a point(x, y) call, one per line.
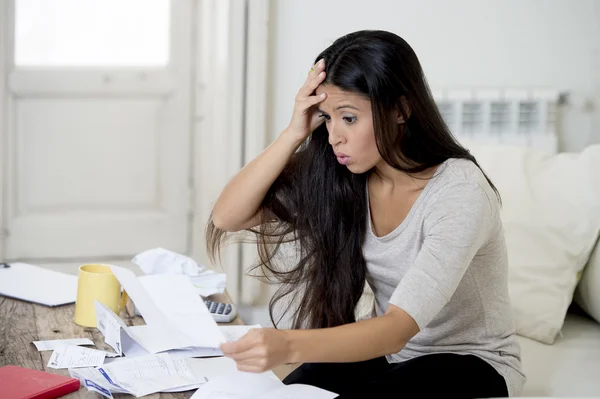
point(350, 119)
point(327, 117)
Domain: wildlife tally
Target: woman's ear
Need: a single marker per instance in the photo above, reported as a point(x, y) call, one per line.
point(400, 116)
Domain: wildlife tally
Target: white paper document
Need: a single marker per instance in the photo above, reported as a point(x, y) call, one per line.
point(50, 345)
point(37, 284)
point(71, 356)
point(242, 385)
point(175, 315)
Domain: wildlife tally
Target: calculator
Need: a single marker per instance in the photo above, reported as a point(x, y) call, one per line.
point(221, 312)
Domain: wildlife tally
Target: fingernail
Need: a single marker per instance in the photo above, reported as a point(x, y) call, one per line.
point(322, 74)
point(321, 61)
point(323, 95)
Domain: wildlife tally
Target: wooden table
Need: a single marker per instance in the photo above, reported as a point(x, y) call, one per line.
point(23, 322)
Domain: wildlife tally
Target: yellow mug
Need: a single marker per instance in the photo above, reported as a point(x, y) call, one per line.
point(97, 282)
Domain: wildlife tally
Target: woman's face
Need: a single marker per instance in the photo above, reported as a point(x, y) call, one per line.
point(349, 122)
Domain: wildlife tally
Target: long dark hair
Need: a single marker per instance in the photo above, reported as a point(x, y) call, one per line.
point(321, 206)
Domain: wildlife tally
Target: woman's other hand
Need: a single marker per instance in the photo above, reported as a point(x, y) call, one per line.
point(305, 117)
point(261, 349)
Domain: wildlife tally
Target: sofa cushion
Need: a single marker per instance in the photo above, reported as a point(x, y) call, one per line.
point(551, 217)
point(588, 291)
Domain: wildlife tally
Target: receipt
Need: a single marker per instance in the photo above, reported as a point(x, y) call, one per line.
point(71, 356)
point(50, 345)
point(110, 326)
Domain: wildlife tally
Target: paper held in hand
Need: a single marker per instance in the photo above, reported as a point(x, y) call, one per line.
point(175, 315)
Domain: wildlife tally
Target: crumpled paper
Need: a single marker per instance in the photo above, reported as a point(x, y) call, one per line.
point(163, 261)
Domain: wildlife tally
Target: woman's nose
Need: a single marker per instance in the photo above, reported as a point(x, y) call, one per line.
point(334, 136)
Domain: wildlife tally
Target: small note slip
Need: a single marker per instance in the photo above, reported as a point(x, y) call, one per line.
point(34, 384)
point(242, 385)
point(37, 284)
point(50, 345)
point(71, 356)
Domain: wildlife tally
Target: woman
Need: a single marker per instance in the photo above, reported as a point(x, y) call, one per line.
point(369, 183)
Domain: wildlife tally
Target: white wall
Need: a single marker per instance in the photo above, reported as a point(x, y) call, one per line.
point(460, 43)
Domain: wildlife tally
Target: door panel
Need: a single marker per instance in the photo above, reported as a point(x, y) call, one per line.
point(98, 160)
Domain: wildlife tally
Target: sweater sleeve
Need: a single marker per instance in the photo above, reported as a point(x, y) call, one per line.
point(455, 228)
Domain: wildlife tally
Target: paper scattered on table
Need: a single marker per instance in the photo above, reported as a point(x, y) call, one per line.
point(233, 333)
point(51, 344)
point(37, 284)
point(148, 374)
point(162, 261)
point(71, 356)
point(242, 385)
point(155, 373)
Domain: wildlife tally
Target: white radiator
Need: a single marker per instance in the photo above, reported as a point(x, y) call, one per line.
point(504, 116)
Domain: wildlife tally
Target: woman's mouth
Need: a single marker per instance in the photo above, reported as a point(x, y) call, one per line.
point(343, 159)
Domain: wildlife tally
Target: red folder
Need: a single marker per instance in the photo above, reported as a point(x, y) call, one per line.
point(21, 383)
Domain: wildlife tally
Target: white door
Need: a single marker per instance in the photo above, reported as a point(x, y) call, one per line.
point(98, 122)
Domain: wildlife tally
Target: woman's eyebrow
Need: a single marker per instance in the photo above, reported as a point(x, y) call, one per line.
point(347, 106)
point(340, 107)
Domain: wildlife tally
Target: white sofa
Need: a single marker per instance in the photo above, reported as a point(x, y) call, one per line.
point(570, 366)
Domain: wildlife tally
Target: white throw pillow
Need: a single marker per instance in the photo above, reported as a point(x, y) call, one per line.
point(551, 217)
point(588, 291)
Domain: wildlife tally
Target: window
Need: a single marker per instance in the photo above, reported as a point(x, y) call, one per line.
point(551, 117)
point(447, 111)
point(499, 117)
point(528, 116)
point(472, 117)
point(92, 33)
